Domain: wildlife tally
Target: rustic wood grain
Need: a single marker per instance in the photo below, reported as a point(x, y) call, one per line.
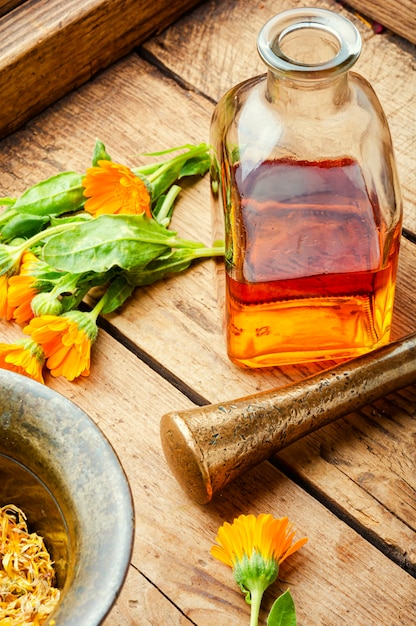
point(153, 112)
point(141, 603)
point(398, 15)
point(361, 468)
point(354, 581)
point(48, 47)
point(179, 307)
point(220, 38)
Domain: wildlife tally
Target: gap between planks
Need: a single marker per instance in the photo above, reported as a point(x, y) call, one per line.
point(152, 363)
point(390, 552)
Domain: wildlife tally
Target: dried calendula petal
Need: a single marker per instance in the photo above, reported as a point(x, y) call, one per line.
point(27, 595)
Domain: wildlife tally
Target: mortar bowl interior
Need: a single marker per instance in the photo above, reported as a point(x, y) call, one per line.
point(57, 466)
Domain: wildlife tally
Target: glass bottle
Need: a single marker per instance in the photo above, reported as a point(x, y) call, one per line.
point(305, 195)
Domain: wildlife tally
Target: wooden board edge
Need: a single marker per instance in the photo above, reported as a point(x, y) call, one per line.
point(49, 48)
point(398, 16)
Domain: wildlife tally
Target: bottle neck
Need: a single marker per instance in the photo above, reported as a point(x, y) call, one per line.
point(308, 53)
point(315, 98)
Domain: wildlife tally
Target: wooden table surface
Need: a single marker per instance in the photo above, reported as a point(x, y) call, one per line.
point(351, 486)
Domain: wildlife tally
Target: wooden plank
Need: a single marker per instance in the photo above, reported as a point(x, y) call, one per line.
point(153, 113)
point(142, 603)
point(398, 15)
point(221, 41)
point(354, 582)
point(48, 47)
point(173, 535)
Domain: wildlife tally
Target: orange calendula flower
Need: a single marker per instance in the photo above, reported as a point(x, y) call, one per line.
point(22, 288)
point(25, 357)
point(266, 535)
point(66, 341)
point(113, 188)
point(254, 547)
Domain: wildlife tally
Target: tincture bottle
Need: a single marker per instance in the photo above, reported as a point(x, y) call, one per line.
point(306, 196)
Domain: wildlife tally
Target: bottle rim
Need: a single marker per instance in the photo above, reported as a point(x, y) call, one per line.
point(341, 30)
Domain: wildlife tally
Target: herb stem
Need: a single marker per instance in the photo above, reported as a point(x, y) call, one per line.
point(49, 232)
point(181, 158)
point(165, 211)
point(256, 597)
point(94, 313)
point(145, 170)
point(209, 252)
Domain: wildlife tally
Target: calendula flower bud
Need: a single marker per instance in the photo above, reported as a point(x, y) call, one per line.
point(255, 571)
point(46, 303)
point(9, 259)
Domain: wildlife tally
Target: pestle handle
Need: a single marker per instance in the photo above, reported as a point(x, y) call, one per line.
point(209, 446)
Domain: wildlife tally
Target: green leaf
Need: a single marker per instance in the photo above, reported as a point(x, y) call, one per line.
point(82, 216)
point(165, 180)
point(56, 195)
point(23, 225)
point(117, 294)
point(7, 201)
point(166, 264)
point(194, 161)
point(125, 241)
point(283, 611)
point(198, 165)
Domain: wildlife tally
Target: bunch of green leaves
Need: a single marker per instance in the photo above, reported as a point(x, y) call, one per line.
point(130, 250)
point(119, 251)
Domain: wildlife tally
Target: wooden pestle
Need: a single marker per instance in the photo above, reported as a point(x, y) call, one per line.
point(209, 446)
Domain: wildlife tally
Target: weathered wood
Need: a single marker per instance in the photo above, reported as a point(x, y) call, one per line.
point(216, 49)
point(361, 468)
point(398, 15)
point(152, 113)
point(141, 603)
point(332, 578)
point(48, 47)
point(173, 535)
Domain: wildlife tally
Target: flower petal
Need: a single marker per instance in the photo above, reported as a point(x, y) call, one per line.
point(112, 188)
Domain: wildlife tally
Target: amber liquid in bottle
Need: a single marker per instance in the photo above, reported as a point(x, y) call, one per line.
point(308, 275)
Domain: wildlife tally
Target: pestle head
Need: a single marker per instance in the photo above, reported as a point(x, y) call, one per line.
point(185, 458)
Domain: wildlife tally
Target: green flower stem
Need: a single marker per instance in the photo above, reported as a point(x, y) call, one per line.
point(145, 170)
point(177, 242)
point(67, 283)
point(80, 296)
point(256, 597)
point(200, 253)
point(163, 214)
point(49, 232)
point(94, 313)
point(181, 158)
